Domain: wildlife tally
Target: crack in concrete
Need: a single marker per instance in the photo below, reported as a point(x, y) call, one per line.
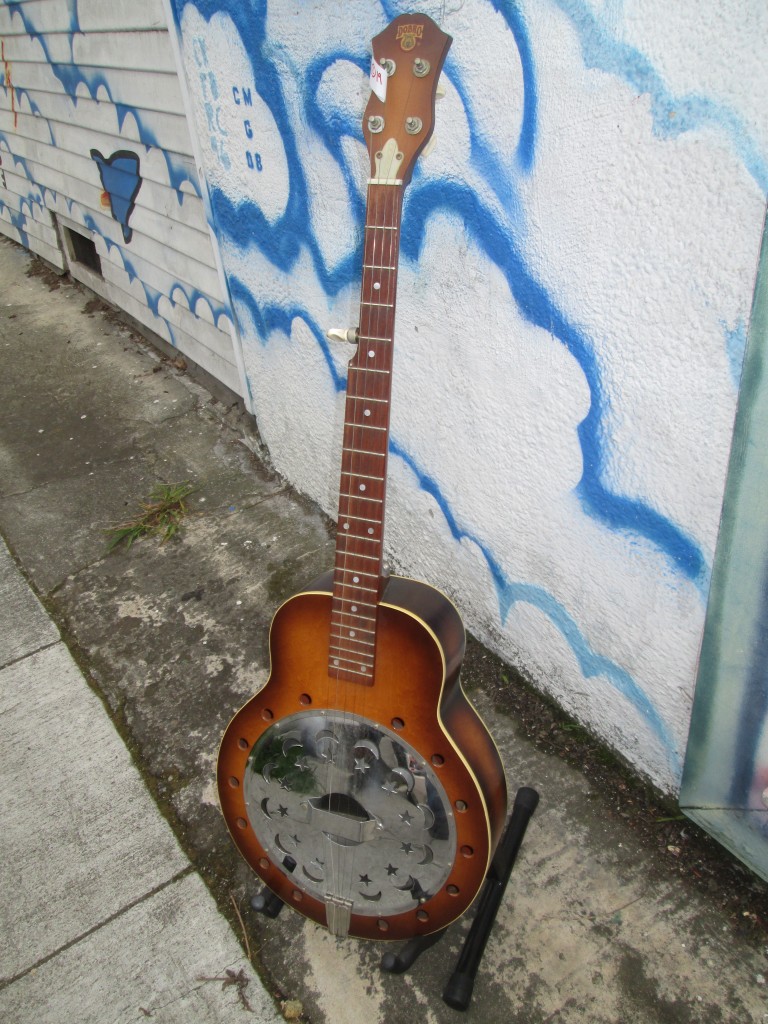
point(188, 870)
point(29, 654)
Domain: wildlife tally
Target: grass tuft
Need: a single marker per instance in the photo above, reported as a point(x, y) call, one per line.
point(160, 515)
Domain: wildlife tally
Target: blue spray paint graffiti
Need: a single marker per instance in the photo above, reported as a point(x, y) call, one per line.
point(500, 239)
point(672, 115)
point(119, 173)
point(72, 74)
point(270, 318)
point(121, 180)
point(510, 593)
point(245, 225)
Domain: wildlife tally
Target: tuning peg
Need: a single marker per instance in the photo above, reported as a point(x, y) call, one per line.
point(339, 334)
point(440, 90)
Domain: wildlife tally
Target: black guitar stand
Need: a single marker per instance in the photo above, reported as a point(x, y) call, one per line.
point(458, 992)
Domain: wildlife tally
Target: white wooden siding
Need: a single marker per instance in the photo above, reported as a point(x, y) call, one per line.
point(108, 83)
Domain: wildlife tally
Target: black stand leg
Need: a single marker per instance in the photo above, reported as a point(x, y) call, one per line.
point(397, 963)
point(267, 903)
point(458, 992)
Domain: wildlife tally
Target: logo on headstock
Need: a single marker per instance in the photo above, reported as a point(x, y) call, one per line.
point(408, 34)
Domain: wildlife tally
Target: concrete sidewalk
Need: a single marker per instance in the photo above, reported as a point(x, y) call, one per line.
point(103, 917)
point(114, 852)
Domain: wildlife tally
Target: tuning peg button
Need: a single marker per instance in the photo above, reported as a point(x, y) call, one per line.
point(339, 334)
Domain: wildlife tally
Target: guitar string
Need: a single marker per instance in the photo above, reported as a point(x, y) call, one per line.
point(382, 328)
point(381, 251)
point(372, 324)
point(341, 866)
point(389, 259)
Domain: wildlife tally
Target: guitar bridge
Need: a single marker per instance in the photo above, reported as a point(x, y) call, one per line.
point(338, 912)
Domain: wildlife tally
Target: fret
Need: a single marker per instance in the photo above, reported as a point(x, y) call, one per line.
point(366, 369)
point(356, 662)
point(362, 476)
point(370, 337)
point(360, 497)
point(366, 398)
point(363, 451)
point(361, 536)
point(375, 266)
point(361, 519)
point(352, 639)
point(365, 631)
point(360, 572)
point(383, 305)
point(365, 426)
point(355, 615)
point(381, 227)
point(357, 554)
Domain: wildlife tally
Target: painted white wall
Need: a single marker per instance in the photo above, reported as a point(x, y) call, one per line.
point(580, 252)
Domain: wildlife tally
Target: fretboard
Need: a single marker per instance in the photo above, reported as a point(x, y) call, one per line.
point(362, 493)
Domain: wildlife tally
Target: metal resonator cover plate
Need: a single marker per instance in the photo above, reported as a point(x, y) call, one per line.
point(355, 815)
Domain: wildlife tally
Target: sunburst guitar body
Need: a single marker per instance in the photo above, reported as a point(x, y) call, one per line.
point(359, 783)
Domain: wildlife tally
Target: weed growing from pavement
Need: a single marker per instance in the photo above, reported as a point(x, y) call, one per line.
point(160, 515)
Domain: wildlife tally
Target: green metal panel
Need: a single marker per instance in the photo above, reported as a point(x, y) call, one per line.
point(725, 779)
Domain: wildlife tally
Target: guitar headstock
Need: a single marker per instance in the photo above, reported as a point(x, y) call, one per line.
point(411, 52)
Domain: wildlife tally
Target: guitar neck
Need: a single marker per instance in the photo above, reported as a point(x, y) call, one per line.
point(362, 493)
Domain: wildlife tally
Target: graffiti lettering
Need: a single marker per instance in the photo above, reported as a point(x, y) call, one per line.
point(210, 93)
point(246, 96)
point(248, 129)
point(254, 160)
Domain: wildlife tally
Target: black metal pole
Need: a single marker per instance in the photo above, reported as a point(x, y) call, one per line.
point(458, 992)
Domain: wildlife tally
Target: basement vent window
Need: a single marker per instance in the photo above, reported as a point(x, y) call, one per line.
point(82, 250)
